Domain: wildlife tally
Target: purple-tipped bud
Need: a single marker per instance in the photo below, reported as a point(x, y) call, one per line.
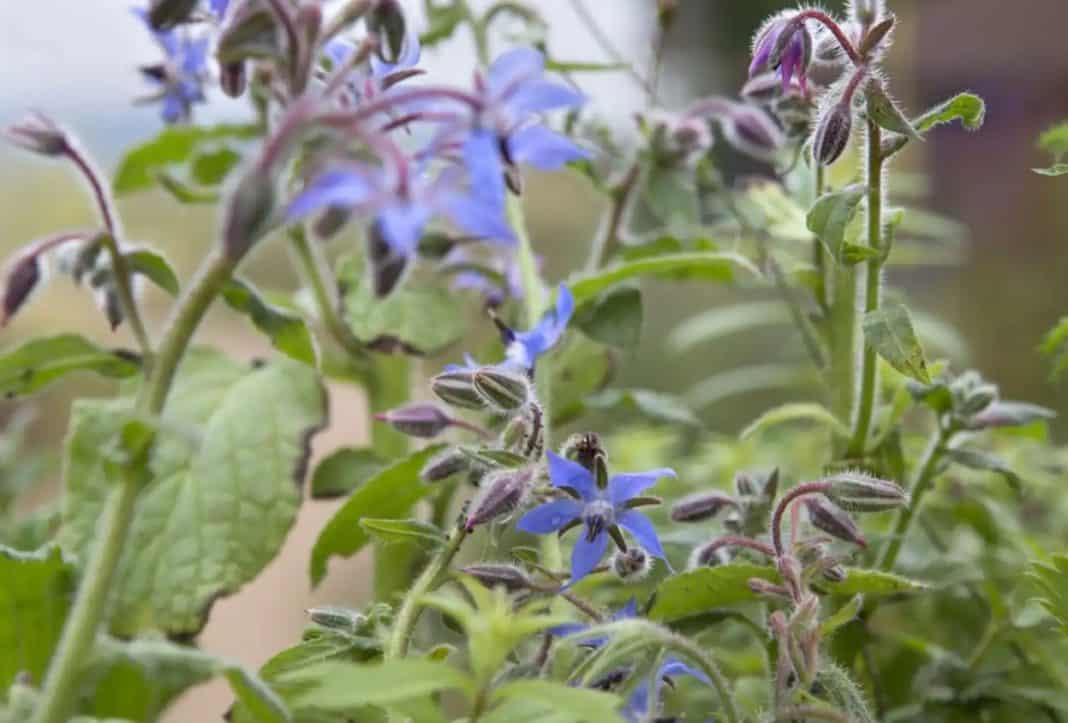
point(836, 522)
point(510, 577)
point(1009, 414)
point(834, 573)
point(859, 492)
point(631, 565)
point(417, 420)
point(107, 298)
point(831, 137)
point(444, 465)
point(165, 14)
point(249, 213)
point(458, 389)
point(501, 493)
point(233, 79)
point(387, 21)
point(336, 618)
point(752, 131)
point(40, 134)
point(22, 278)
point(701, 506)
point(784, 44)
point(501, 388)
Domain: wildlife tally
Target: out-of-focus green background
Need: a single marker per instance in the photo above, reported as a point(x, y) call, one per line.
point(77, 60)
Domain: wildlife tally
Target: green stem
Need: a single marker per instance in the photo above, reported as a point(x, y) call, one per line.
point(408, 615)
point(873, 292)
point(604, 244)
point(711, 669)
point(61, 682)
point(925, 476)
point(819, 253)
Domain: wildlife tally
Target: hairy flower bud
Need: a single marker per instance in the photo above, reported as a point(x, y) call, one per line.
point(165, 14)
point(701, 506)
point(833, 129)
point(760, 586)
point(233, 79)
point(510, 577)
point(631, 565)
point(501, 388)
point(40, 134)
point(337, 618)
point(444, 465)
point(417, 420)
point(752, 131)
point(501, 493)
point(458, 389)
point(834, 573)
point(249, 212)
point(22, 278)
point(826, 516)
point(785, 44)
point(858, 492)
point(387, 21)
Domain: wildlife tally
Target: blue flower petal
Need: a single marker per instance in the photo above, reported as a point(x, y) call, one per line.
point(401, 225)
point(482, 156)
point(539, 95)
point(514, 67)
point(536, 145)
point(565, 473)
point(586, 555)
point(479, 219)
point(643, 531)
point(334, 188)
point(219, 7)
point(673, 668)
point(630, 610)
point(549, 517)
point(623, 487)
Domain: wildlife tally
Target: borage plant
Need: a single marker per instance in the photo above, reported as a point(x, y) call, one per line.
point(560, 588)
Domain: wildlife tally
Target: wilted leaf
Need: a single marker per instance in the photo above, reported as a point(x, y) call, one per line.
point(287, 331)
point(888, 330)
point(38, 362)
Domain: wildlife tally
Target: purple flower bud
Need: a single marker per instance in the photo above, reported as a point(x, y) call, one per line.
point(833, 129)
point(417, 420)
point(701, 506)
point(501, 388)
point(444, 465)
point(859, 492)
point(826, 516)
point(107, 298)
point(165, 14)
point(834, 573)
point(22, 278)
point(388, 23)
point(1009, 414)
point(510, 577)
point(249, 212)
point(783, 44)
point(233, 79)
point(501, 493)
point(752, 131)
point(875, 37)
point(40, 134)
point(458, 389)
point(631, 565)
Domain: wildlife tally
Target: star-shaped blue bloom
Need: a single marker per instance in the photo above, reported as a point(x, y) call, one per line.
point(522, 348)
point(597, 509)
point(401, 203)
point(180, 78)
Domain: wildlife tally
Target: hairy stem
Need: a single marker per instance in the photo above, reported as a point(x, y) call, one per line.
point(873, 292)
point(801, 490)
point(819, 253)
point(921, 484)
point(604, 244)
point(410, 609)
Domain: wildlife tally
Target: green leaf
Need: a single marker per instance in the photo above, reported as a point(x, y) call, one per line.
point(287, 331)
point(416, 319)
point(885, 112)
point(389, 494)
point(1055, 348)
point(699, 591)
point(212, 167)
point(831, 215)
point(1055, 140)
point(579, 703)
point(38, 362)
point(809, 411)
point(184, 192)
point(1057, 169)
point(670, 195)
point(1052, 580)
point(968, 108)
point(218, 511)
point(842, 616)
point(655, 405)
point(983, 461)
point(343, 471)
point(579, 368)
point(155, 267)
point(613, 318)
point(337, 686)
point(721, 321)
point(35, 595)
point(699, 265)
point(564, 66)
point(172, 146)
point(888, 330)
point(390, 530)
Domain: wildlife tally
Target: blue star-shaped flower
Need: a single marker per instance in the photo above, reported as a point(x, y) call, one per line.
point(181, 76)
point(522, 348)
point(597, 509)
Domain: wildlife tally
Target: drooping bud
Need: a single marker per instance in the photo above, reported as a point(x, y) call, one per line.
point(249, 212)
point(417, 420)
point(784, 44)
point(165, 14)
point(501, 388)
point(501, 493)
point(833, 129)
point(510, 577)
point(709, 554)
point(107, 298)
point(250, 31)
point(701, 506)
point(631, 565)
point(458, 389)
point(22, 278)
point(444, 465)
point(752, 131)
point(233, 79)
point(387, 21)
point(858, 492)
point(826, 516)
point(40, 134)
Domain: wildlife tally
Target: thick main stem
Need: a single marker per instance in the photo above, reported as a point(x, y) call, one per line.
point(921, 485)
point(873, 292)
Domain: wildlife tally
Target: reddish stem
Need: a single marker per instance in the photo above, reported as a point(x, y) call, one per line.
point(802, 490)
point(739, 541)
point(831, 24)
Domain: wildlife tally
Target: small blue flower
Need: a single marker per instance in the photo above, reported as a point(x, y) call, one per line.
point(598, 510)
point(218, 8)
point(522, 348)
point(180, 78)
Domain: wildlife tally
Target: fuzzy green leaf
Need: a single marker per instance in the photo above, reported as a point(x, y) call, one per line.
point(716, 266)
point(968, 108)
point(287, 331)
point(173, 146)
point(38, 362)
point(614, 318)
point(578, 704)
point(412, 530)
point(889, 332)
point(337, 686)
point(807, 411)
point(416, 319)
point(154, 266)
point(831, 215)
